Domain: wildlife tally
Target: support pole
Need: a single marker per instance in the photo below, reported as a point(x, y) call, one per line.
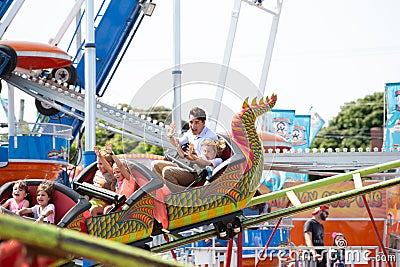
point(21, 110)
point(10, 16)
point(229, 253)
point(270, 238)
point(268, 242)
point(90, 86)
point(270, 48)
point(376, 230)
point(166, 238)
point(177, 72)
point(225, 65)
point(240, 250)
point(11, 111)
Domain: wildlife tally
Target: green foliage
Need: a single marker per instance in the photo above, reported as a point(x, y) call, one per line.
point(351, 127)
point(144, 148)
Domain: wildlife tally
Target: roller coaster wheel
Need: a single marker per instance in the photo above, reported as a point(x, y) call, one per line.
point(45, 109)
point(66, 74)
point(222, 230)
point(236, 226)
point(12, 64)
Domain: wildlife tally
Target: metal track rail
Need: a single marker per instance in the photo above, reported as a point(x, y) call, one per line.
point(298, 208)
point(314, 162)
point(319, 162)
point(62, 97)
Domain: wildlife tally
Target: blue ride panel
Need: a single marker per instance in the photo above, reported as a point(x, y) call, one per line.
point(3, 153)
point(39, 148)
point(4, 5)
point(253, 238)
point(259, 238)
point(111, 35)
point(392, 129)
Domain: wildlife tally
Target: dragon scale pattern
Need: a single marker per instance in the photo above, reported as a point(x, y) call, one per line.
point(127, 225)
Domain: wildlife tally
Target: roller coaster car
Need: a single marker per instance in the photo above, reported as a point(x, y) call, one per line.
point(134, 223)
point(31, 56)
point(70, 206)
point(233, 185)
point(37, 59)
point(184, 206)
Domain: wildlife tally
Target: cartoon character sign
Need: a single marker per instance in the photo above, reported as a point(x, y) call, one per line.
point(281, 126)
point(298, 135)
point(301, 131)
point(392, 131)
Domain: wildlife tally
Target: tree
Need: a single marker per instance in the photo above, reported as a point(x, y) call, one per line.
point(351, 127)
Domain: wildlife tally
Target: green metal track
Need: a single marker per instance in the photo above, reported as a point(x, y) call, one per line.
point(64, 243)
point(304, 206)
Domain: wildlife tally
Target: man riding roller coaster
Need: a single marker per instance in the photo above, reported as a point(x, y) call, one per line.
point(197, 133)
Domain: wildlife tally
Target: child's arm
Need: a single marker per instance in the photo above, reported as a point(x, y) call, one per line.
point(203, 162)
point(45, 214)
point(24, 211)
point(7, 203)
point(103, 160)
point(122, 168)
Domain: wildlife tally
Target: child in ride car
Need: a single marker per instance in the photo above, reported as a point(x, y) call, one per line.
point(103, 178)
point(43, 211)
point(18, 200)
point(126, 183)
point(209, 150)
point(104, 175)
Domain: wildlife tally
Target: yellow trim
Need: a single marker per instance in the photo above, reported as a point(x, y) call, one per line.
point(196, 217)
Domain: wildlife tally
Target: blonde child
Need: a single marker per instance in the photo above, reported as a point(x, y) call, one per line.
point(103, 178)
point(43, 211)
point(209, 150)
point(104, 175)
point(18, 200)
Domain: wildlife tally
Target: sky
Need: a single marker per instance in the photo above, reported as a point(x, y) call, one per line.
point(326, 52)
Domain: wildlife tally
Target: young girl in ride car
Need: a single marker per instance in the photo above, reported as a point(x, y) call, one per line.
point(43, 211)
point(104, 177)
point(125, 182)
point(18, 200)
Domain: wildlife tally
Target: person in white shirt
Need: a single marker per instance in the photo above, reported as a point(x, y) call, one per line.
point(197, 133)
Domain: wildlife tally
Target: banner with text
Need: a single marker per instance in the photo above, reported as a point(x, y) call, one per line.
point(392, 130)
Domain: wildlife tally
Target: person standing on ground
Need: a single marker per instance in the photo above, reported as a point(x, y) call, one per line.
point(314, 233)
